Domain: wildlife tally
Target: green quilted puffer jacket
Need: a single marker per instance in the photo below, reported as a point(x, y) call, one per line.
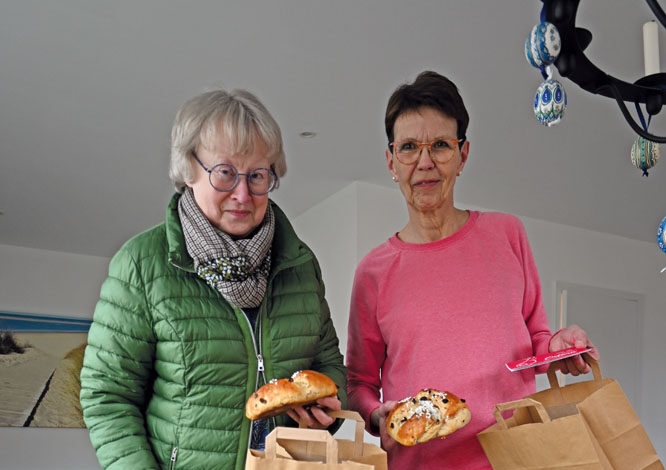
point(170, 363)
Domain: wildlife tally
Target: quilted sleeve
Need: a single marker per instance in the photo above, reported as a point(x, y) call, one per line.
point(117, 369)
point(329, 360)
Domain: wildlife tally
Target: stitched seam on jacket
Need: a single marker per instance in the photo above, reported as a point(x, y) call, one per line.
point(200, 340)
point(213, 299)
point(202, 317)
point(291, 359)
point(134, 451)
point(293, 314)
point(316, 335)
point(242, 365)
point(122, 333)
point(112, 303)
point(206, 405)
point(123, 281)
point(106, 372)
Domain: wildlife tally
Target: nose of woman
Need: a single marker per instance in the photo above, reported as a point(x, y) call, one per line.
point(425, 161)
point(241, 193)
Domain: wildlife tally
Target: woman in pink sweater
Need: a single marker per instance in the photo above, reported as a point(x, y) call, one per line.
point(451, 297)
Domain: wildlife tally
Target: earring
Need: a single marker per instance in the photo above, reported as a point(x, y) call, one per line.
point(395, 178)
point(459, 173)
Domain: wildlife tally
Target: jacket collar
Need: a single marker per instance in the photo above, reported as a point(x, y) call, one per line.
point(286, 248)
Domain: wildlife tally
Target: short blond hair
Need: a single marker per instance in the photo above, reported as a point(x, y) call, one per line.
point(238, 115)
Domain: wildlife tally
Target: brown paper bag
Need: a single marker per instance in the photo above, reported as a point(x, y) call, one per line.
point(586, 425)
point(309, 449)
point(539, 443)
point(609, 416)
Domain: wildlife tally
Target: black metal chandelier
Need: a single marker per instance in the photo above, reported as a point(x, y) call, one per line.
point(572, 64)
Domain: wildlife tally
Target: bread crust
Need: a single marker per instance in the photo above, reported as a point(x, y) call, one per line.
point(428, 414)
point(280, 395)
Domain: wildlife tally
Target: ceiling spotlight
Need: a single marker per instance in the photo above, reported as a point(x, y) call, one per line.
point(307, 134)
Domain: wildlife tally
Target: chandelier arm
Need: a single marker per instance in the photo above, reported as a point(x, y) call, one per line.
point(658, 12)
point(572, 63)
point(612, 88)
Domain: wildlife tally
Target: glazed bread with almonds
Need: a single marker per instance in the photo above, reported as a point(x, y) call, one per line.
point(279, 395)
point(426, 415)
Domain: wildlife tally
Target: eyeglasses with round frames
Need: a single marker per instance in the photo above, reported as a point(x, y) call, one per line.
point(224, 177)
point(441, 150)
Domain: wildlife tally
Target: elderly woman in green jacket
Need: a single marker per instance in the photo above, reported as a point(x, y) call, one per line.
point(201, 310)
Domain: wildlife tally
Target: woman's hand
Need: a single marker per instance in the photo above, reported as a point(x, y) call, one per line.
point(569, 337)
point(378, 424)
point(314, 416)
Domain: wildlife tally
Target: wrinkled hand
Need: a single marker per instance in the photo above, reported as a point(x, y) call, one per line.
point(378, 422)
point(569, 337)
point(314, 416)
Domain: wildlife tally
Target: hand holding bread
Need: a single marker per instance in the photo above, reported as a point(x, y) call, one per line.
point(280, 395)
point(316, 416)
point(426, 415)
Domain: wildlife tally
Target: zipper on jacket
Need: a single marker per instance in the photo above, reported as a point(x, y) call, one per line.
point(260, 367)
point(174, 453)
point(260, 363)
point(257, 349)
point(257, 345)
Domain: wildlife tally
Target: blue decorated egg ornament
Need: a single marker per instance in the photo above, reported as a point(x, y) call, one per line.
point(549, 102)
point(644, 154)
point(661, 235)
point(543, 45)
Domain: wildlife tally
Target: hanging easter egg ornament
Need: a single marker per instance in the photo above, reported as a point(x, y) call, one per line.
point(661, 238)
point(550, 102)
point(644, 154)
point(543, 45)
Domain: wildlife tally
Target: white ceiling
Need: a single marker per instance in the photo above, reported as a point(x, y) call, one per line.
point(88, 91)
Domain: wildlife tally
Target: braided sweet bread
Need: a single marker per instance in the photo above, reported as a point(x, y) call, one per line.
point(279, 395)
point(426, 415)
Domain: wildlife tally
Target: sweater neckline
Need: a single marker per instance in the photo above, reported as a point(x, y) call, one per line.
point(395, 242)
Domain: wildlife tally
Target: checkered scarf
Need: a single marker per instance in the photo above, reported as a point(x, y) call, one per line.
point(238, 269)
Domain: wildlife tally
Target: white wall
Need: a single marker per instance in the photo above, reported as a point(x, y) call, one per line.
point(562, 253)
point(330, 230)
point(48, 282)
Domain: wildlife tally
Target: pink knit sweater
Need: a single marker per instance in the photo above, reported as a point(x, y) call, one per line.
point(447, 315)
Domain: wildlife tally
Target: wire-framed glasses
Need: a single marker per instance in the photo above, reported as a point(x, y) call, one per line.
point(441, 150)
point(224, 177)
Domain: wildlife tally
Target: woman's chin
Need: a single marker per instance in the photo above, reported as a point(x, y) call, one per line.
point(236, 229)
point(427, 204)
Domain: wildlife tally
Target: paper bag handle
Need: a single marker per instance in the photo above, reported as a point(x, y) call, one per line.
point(594, 365)
point(524, 403)
point(298, 434)
point(360, 427)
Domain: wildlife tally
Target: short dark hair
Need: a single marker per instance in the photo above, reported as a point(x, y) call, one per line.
point(429, 90)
